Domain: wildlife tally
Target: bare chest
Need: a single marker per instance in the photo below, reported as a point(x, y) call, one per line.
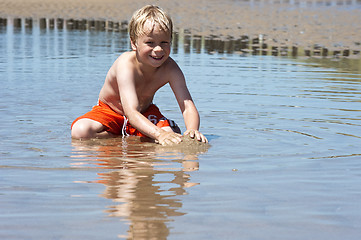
point(146, 89)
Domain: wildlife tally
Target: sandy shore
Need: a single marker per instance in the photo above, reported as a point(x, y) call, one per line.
point(331, 24)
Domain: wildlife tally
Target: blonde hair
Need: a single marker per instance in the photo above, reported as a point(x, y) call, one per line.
point(153, 13)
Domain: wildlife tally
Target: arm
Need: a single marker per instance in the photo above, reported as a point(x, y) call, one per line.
point(130, 103)
point(186, 104)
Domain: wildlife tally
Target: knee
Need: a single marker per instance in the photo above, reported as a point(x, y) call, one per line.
point(174, 126)
point(80, 130)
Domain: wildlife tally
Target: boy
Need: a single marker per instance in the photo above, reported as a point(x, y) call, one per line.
point(125, 100)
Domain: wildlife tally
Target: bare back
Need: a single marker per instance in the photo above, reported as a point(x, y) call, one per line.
point(124, 74)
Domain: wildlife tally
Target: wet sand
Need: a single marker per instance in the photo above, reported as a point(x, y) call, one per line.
point(329, 24)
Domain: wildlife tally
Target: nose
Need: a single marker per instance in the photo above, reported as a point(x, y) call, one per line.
point(157, 48)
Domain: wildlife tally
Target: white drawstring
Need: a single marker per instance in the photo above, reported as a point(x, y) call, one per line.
point(124, 128)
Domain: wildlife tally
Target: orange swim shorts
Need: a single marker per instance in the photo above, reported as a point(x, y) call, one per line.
point(117, 124)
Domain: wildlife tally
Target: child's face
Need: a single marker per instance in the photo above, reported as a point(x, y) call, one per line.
point(153, 47)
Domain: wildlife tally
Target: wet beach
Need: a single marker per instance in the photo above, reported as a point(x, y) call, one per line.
point(321, 28)
point(284, 131)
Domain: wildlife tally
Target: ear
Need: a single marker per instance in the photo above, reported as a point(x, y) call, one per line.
point(134, 45)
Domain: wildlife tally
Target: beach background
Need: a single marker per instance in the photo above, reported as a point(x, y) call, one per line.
point(284, 131)
point(334, 25)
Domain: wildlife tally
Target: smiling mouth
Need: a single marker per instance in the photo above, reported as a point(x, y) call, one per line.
point(157, 58)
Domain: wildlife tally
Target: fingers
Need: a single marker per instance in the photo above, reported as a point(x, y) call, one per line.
point(170, 138)
point(168, 142)
point(197, 135)
point(201, 138)
point(204, 139)
point(191, 133)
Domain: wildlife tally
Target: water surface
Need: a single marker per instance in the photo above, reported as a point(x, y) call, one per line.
point(284, 160)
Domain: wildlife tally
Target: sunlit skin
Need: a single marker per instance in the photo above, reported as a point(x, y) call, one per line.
point(132, 82)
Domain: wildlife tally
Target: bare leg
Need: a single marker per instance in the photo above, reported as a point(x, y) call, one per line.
point(87, 128)
point(168, 129)
point(174, 127)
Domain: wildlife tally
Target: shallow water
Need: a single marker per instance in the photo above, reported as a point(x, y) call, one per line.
point(284, 160)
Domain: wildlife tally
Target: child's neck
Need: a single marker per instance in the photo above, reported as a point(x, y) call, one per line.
point(147, 70)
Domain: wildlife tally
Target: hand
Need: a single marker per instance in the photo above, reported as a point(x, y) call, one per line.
point(196, 134)
point(169, 138)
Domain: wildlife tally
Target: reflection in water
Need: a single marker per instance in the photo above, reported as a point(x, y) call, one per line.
point(144, 180)
point(211, 44)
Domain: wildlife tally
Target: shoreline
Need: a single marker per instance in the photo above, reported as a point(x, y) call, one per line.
point(328, 28)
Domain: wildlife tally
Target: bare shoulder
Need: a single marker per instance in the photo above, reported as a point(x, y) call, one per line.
point(172, 68)
point(125, 59)
point(122, 65)
point(170, 63)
